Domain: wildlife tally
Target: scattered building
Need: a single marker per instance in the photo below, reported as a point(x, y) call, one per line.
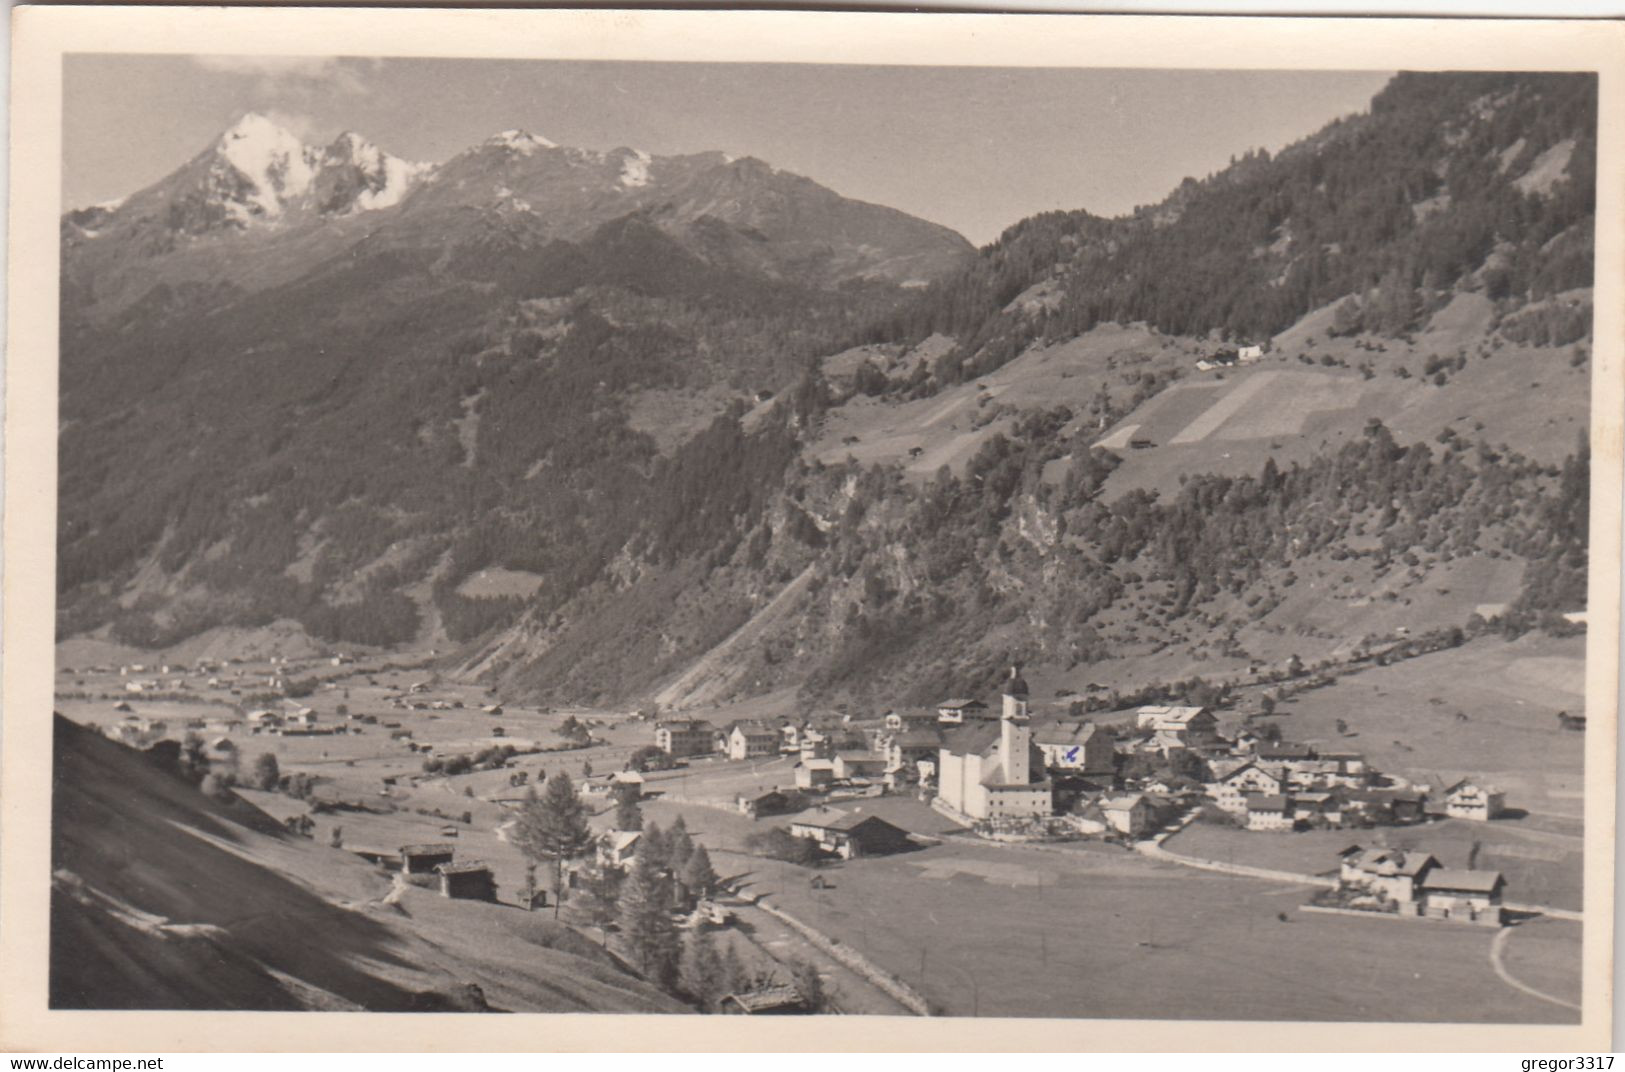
point(748, 739)
point(1129, 814)
point(1468, 896)
point(469, 881)
point(773, 1000)
point(855, 764)
point(1269, 812)
point(814, 773)
point(685, 737)
point(756, 805)
point(1079, 748)
point(423, 859)
point(850, 833)
point(1468, 800)
point(956, 711)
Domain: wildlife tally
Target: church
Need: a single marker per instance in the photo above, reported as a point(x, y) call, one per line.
point(991, 770)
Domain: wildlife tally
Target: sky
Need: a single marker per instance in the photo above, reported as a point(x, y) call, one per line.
point(976, 149)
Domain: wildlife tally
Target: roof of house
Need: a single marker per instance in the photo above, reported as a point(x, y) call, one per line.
point(1168, 714)
point(959, 704)
point(1123, 803)
point(918, 739)
point(1064, 733)
point(1463, 881)
point(858, 755)
point(620, 839)
point(1285, 750)
point(1467, 785)
point(464, 867)
point(817, 764)
point(689, 725)
point(783, 996)
point(833, 819)
point(427, 850)
point(1394, 862)
point(1270, 802)
point(754, 728)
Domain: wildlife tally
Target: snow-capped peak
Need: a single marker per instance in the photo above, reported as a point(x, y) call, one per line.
point(520, 141)
point(382, 179)
point(635, 168)
point(276, 165)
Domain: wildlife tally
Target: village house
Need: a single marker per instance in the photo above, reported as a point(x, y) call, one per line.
point(1389, 872)
point(1250, 779)
point(790, 737)
point(1468, 800)
point(1178, 727)
point(814, 773)
point(423, 859)
point(617, 847)
point(748, 739)
point(1466, 896)
point(1129, 814)
point(815, 744)
point(756, 805)
point(994, 771)
point(850, 833)
point(1269, 812)
point(773, 1000)
point(956, 711)
point(684, 737)
point(1317, 806)
point(910, 721)
point(468, 881)
point(907, 748)
point(1076, 748)
point(1248, 354)
point(852, 764)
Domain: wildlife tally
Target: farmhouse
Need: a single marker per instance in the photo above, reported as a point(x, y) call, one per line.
point(1231, 791)
point(956, 711)
point(771, 802)
point(813, 773)
point(468, 881)
point(748, 739)
point(1075, 748)
point(816, 744)
point(991, 771)
point(1389, 872)
point(684, 737)
point(617, 847)
point(909, 721)
point(423, 859)
point(1468, 800)
point(849, 834)
point(1271, 812)
point(909, 747)
point(773, 1000)
point(1184, 727)
point(1129, 815)
point(854, 764)
point(1469, 896)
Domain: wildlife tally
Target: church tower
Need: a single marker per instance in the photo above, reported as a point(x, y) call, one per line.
point(1014, 734)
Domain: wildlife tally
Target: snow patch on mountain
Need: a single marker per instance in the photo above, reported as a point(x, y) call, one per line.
point(276, 167)
point(520, 141)
point(635, 169)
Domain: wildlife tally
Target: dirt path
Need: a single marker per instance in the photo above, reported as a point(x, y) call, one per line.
point(1497, 949)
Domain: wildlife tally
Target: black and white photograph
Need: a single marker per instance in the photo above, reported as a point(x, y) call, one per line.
point(541, 534)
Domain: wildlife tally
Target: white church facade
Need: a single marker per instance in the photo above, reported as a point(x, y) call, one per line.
point(995, 770)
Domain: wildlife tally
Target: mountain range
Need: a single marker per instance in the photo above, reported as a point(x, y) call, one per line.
point(607, 427)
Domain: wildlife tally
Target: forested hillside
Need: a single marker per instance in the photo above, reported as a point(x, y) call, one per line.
point(624, 420)
point(1449, 179)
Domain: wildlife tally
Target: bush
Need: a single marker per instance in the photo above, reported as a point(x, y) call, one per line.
point(779, 844)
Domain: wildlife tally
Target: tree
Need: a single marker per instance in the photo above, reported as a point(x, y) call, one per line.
point(697, 874)
point(586, 768)
point(810, 985)
point(336, 838)
point(645, 919)
point(701, 974)
point(194, 762)
point(266, 772)
point(553, 827)
point(679, 846)
point(655, 846)
point(628, 816)
point(734, 976)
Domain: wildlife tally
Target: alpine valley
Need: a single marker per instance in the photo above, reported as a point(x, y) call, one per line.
point(613, 428)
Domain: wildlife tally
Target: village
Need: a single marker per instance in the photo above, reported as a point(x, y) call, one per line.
point(810, 824)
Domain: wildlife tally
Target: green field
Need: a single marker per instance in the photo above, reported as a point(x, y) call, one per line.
point(1001, 932)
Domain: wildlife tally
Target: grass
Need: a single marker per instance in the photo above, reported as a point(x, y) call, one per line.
point(1104, 935)
point(1540, 867)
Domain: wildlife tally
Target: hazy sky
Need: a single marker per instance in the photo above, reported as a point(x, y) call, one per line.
point(973, 148)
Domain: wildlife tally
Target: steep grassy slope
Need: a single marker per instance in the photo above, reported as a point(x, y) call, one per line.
point(164, 898)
